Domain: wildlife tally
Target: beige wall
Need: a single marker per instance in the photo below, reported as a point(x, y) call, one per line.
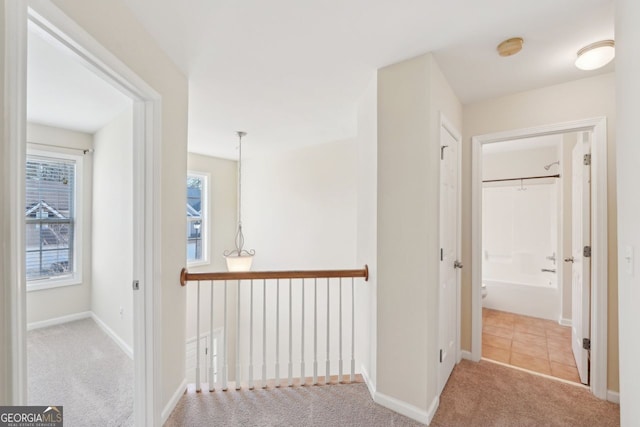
point(628, 107)
point(411, 95)
point(366, 219)
point(222, 197)
point(57, 302)
point(580, 99)
point(112, 232)
point(114, 26)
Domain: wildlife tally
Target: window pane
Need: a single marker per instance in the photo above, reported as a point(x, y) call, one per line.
point(49, 215)
point(195, 223)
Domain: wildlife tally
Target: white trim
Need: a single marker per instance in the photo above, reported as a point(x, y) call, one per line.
point(367, 380)
point(147, 151)
point(399, 406)
point(406, 409)
point(433, 408)
point(15, 86)
point(171, 405)
point(598, 127)
point(113, 335)
point(58, 320)
point(613, 396)
point(564, 322)
point(538, 374)
point(467, 355)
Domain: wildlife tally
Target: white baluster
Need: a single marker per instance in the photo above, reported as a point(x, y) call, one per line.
point(238, 335)
point(315, 331)
point(302, 382)
point(225, 343)
point(264, 333)
point(290, 335)
point(353, 333)
point(340, 333)
point(198, 339)
point(251, 339)
point(212, 386)
point(327, 374)
point(278, 333)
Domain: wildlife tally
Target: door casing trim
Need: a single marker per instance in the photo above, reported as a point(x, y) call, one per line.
point(599, 237)
point(147, 117)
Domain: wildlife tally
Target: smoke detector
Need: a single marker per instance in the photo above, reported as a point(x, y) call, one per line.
point(510, 46)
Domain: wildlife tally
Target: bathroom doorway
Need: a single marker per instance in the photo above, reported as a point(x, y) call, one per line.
point(526, 301)
point(522, 252)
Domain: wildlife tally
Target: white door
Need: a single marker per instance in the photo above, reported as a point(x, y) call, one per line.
point(580, 247)
point(449, 242)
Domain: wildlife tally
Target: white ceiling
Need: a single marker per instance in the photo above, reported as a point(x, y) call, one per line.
point(62, 92)
point(290, 72)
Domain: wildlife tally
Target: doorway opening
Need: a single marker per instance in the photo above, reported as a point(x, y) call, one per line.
point(79, 237)
point(144, 108)
point(519, 247)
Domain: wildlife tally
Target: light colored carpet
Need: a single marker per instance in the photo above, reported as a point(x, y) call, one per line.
point(487, 394)
point(477, 394)
point(76, 365)
point(332, 405)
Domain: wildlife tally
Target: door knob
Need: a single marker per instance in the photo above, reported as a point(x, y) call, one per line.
point(570, 259)
point(457, 264)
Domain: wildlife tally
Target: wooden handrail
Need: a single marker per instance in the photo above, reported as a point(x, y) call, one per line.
point(185, 276)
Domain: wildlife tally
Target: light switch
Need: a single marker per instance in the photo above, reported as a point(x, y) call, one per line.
point(628, 259)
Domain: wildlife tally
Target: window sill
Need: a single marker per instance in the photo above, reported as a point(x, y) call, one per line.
point(41, 285)
point(198, 263)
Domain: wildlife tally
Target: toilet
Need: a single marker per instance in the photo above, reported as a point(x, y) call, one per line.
point(484, 290)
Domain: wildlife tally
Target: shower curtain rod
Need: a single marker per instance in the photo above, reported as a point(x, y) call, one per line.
point(523, 178)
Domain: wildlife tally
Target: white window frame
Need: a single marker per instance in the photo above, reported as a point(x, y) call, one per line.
point(76, 277)
point(206, 178)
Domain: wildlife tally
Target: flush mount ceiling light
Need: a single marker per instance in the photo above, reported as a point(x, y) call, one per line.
point(510, 46)
point(596, 55)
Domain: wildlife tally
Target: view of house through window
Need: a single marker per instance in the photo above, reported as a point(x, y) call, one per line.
point(196, 212)
point(50, 216)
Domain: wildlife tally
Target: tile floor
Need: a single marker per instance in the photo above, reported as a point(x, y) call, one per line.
point(527, 342)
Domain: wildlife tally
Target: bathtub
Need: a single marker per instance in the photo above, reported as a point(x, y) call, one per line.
point(528, 300)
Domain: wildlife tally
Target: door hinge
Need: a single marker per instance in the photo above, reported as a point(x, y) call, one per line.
point(586, 343)
point(442, 151)
point(206, 350)
point(440, 355)
point(587, 159)
point(136, 285)
point(441, 254)
point(586, 252)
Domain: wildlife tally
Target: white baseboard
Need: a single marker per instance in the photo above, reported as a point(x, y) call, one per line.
point(613, 396)
point(123, 345)
point(367, 380)
point(466, 355)
point(399, 406)
point(166, 412)
point(564, 322)
point(406, 409)
point(58, 320)
point(433, 408)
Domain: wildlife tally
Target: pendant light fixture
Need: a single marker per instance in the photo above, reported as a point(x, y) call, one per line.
point(239, 259)
point(596, 55)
